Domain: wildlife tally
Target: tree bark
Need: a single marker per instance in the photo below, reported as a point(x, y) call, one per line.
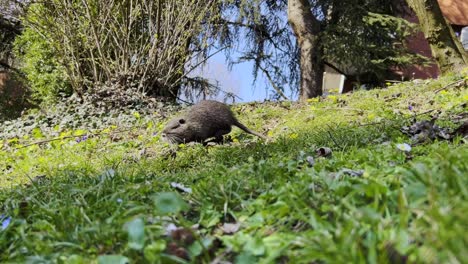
point(446, 49)
point(306, 29)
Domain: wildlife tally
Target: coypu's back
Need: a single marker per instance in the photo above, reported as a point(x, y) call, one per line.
point(211, 114)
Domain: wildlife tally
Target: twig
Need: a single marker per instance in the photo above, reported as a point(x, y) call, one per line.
point(340, 108)
point(448, 85)
point(332, 138)
point(66, 137)
point(183, 101)
point(215, 87)
point(201, 62)
point(384, 121)
point(277, 89)
point(373, 123)
point(8, 67)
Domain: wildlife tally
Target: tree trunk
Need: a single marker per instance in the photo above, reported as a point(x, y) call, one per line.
point(306, 28)
point(446, 49)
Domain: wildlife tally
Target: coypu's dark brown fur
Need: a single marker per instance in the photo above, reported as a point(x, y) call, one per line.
point(204, 120)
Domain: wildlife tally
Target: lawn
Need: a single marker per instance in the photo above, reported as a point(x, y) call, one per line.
point(101, 187)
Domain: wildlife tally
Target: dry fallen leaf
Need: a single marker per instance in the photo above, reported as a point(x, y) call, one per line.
point(323, 152)
point(230, 228)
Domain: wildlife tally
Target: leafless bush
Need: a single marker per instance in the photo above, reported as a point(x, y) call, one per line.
point(146, 45)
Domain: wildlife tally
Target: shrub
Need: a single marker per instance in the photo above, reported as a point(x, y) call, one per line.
point(146, 46)
point(45, 75)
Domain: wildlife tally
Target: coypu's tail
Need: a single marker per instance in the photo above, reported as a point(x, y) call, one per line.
point(246, 129)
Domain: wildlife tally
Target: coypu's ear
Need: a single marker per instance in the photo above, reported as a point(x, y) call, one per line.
point(181, 121)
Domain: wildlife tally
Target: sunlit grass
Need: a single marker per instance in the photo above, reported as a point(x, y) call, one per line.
point(108, 197)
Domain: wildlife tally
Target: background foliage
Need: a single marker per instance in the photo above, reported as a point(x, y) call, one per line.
point(146, 46)
point(46, 76)
point(363, 39)
point(153, 46)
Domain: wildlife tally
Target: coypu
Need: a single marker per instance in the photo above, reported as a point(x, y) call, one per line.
point(202, 121)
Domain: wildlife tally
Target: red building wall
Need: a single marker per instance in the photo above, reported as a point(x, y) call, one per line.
point(456, 12)
point(418, 44)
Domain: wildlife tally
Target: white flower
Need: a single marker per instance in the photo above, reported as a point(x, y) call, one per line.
point(404, 147)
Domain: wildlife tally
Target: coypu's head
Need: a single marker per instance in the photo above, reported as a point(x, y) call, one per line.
point(177, 131)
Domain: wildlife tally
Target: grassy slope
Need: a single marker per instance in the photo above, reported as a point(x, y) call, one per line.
point(96, 191)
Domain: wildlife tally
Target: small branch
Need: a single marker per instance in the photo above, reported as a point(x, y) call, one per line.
point(332, 138)
point(384, 121)
point(8, 67)
point(260, 30)
point(67, 137)
point(183, 101)
point(340, 108)
point(201, 62)
point(449, 85)
point(13, 26)
point(215, 87)
point(277, 89)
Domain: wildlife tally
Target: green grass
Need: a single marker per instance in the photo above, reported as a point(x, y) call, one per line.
point(109, 198)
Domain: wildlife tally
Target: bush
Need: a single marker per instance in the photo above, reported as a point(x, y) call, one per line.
point(146, 46)
point(45, 75)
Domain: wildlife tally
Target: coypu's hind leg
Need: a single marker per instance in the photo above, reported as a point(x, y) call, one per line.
point(220, 133)
point(218, 137)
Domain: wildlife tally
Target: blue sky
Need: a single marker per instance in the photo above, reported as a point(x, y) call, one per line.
point(238, 80)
